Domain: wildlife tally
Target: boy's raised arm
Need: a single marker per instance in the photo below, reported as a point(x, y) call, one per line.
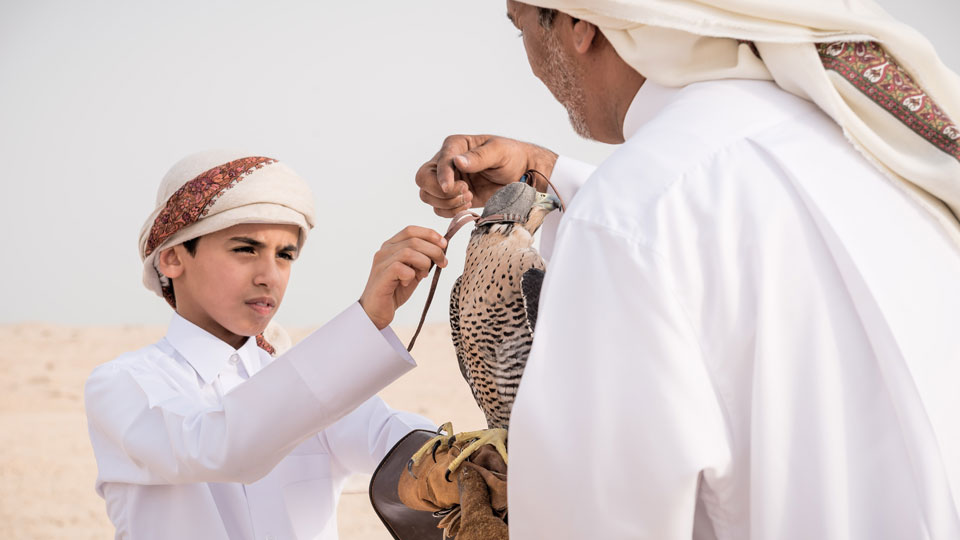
point(145, 433)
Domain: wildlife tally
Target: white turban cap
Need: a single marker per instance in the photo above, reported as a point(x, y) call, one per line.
point(210, 191)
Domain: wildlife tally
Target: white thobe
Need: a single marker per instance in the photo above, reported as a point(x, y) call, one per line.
point(194, 439)
point(746, 332)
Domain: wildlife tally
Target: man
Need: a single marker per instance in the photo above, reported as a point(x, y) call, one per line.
point(748, 325)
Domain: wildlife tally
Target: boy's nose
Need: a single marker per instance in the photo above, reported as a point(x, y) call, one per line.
point(268, 274)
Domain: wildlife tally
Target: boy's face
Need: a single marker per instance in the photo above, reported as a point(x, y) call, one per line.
point(234, 282)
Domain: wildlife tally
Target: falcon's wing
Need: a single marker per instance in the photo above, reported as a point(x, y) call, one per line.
point(530, 283)
point(455, 327)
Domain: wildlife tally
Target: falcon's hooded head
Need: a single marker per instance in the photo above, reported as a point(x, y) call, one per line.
point(517, 203)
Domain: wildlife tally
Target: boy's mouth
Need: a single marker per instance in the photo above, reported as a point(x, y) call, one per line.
point(263, 305)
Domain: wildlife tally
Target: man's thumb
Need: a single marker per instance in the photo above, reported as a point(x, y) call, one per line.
point(472, 161)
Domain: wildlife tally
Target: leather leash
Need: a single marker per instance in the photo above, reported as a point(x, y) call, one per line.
point(456, 224)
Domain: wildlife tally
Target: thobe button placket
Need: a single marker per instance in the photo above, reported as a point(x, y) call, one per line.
point(234, 358)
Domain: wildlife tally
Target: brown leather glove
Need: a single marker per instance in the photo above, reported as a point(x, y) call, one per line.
point(481, 492)
point(478, 521)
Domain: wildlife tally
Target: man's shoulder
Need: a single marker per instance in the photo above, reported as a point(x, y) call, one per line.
point(711, 133)
point(706, 119)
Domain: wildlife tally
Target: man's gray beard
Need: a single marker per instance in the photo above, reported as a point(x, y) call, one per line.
point(561, 79)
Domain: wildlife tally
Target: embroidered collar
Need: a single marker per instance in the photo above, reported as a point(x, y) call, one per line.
point(206, 353)
point(650, 100)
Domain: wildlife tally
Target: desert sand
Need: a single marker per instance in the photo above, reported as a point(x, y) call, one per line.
point(47, 470)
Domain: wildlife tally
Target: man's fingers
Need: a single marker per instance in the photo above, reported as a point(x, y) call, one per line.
point(475, 166)
point(489, 155)
point(453, 145)
point(433, 188)
point(427, 175)
point(454, 199)
point(446, 174)
point(461, 200)
point(451, 213)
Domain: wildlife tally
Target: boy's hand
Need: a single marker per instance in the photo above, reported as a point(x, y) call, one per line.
point(398, 267)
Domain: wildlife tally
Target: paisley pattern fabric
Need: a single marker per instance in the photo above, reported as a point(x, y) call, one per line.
point(875, 73)
point(192, 201)
point(263, 344)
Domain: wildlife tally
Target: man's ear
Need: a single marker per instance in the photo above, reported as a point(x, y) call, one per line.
point(583, 35)
point(170, 261)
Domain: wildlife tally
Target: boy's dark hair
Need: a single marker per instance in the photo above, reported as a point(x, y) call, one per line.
point(191, 245)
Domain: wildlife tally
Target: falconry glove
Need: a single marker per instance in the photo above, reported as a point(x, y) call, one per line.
point(474, 498)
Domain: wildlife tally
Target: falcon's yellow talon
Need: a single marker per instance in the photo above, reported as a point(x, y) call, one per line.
point(447, 428)
point(441, 441)
point(496, 437)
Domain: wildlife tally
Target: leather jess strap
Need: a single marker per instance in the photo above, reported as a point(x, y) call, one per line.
point(456, 224)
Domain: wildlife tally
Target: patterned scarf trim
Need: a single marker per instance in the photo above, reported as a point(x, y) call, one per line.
point(193, 200)
point(868, 67)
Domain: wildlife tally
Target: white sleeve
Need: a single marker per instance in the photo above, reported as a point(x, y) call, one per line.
point(360, 440)
point(163, 437)
point(568, 177)
point(615, 417)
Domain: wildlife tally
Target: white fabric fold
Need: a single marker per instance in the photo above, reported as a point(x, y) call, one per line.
point(678, 42)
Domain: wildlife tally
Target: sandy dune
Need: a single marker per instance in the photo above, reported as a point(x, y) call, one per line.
point(47, 469)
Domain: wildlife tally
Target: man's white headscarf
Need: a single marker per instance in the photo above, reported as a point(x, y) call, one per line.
point(211, 191)
point(879, 79)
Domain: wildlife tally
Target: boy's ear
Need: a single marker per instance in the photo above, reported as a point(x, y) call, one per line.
point(170, 261)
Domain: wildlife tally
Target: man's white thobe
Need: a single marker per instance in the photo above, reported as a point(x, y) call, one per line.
point(194, 439)
point(746, 331)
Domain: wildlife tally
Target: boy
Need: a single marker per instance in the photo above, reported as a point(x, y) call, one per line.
point(210, 433)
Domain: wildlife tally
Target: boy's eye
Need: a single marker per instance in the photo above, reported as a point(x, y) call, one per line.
point(243, 249)
point(286, 255)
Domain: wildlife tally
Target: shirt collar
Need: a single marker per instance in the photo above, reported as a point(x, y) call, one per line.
point(650, 100)
point(206, 353)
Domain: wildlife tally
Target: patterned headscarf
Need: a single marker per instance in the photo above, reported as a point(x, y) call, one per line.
point(211, 191)
point(879, 79)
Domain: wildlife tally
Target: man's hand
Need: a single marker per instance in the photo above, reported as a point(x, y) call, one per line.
point(469, 168)
point(398, 267)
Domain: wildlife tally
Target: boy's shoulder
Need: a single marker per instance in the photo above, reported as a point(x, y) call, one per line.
point(154, 370)
point(141, 361)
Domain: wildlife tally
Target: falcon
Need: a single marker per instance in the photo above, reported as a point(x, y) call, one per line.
point(493, 309)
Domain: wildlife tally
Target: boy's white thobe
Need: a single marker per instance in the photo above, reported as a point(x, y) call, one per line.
point(746, 332)
point(184, 450)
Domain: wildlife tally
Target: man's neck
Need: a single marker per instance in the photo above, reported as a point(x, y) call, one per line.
point(622, 105)
point(616, 84)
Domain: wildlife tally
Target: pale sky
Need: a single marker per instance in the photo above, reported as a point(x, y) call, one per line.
point(99, 99)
